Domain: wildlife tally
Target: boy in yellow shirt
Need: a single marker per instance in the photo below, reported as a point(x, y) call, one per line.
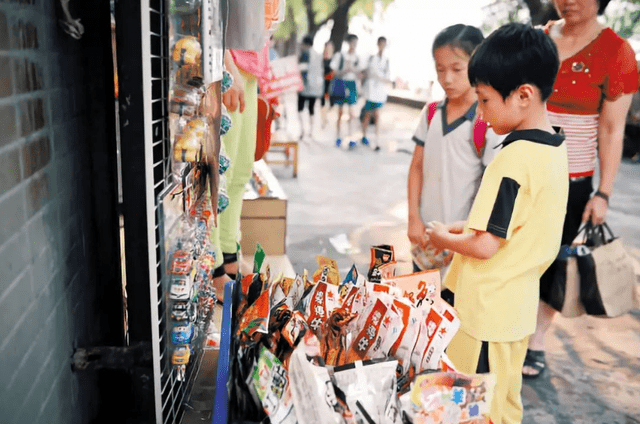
point(513, 231)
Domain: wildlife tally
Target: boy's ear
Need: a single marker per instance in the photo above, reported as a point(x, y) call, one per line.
point(526, 93)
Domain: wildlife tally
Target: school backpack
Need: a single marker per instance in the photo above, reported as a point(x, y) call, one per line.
point(480, 128)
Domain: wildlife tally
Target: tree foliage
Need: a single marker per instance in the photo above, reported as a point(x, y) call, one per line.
point(311, 15)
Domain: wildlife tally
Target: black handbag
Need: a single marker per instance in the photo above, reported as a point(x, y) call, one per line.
point(596, 277)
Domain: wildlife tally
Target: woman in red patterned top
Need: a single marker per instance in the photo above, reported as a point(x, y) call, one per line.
point(592, 93)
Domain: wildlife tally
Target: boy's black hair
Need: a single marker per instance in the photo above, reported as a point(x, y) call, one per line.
point(351, 37)
point(513, 55)
point(464, 37)
point(382, 39)
point(307, 40)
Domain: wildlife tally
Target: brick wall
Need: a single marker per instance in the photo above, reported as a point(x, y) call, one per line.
point(52, 130)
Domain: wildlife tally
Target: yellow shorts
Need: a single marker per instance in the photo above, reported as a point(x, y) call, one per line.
point(505, 361)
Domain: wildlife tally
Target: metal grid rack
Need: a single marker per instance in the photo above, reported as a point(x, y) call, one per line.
point(173, 392)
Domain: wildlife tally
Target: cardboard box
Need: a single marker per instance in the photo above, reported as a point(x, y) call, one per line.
point(264, 219)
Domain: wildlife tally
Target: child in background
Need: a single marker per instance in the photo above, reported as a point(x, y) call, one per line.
point(447, 163)
point(346, 67)
point(375, 91)
point(513, 231)
point(310, 64)
point(327, 55)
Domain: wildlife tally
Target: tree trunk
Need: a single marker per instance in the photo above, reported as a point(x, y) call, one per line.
point(311, 18)
point(291, 45)
point(340, 24)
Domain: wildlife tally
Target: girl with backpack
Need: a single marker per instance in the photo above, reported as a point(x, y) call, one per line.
point(453, 147)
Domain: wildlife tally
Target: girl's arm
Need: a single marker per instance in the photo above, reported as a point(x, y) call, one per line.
point(416, 228)
point(610, 138)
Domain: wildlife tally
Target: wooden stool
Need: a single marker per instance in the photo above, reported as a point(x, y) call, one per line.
point(286, 148)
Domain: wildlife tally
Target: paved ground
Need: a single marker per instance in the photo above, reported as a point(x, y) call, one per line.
point(594, 364)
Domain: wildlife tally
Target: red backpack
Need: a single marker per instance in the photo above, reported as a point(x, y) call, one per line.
point(480, 128)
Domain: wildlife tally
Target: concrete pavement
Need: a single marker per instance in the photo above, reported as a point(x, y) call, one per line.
point(594, 364)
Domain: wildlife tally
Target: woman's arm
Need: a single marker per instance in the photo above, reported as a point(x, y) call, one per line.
point(416, 228)
point(610, 138)
point(234, 97)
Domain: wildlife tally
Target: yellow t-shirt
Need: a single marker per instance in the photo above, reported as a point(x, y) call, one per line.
point(522, 199)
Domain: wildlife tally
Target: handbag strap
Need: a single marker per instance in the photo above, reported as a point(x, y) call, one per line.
point(597, 235)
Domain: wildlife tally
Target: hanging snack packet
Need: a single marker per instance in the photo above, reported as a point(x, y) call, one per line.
point(370, 389)
point(327, 271)
point(452, 398)
point(311, 387)
point(380, 255)
point(323, 299)
point(369, 324)
point(421, 288)
point(271, 384)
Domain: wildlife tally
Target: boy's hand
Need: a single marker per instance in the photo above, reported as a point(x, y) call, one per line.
point(416, 231)
point(437, 234)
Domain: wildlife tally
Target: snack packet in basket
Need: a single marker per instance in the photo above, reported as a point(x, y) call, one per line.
point(406, 341)
point(368, 325)
point(322, 300)
point(333, 337)
point(271, 383)
point(256, 318)
point(390, 330)
point(296, 291)
point(327, 271)
point(388, 270)
point(436, 331)
point(370, 389)
point(451, 398)
point(350, 280)
point(295, 329)
point(380, 255)
point(313, 392)
point(421, 288)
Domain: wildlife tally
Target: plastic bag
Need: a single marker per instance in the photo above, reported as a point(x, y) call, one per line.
point(370, 389)
point(311, 387)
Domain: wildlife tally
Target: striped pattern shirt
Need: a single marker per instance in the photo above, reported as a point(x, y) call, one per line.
point(581, 135)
